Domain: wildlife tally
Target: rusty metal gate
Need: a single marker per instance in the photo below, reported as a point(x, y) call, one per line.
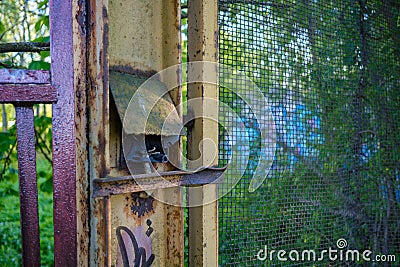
point(23, 89)
point(316, 62)
point(101, 217)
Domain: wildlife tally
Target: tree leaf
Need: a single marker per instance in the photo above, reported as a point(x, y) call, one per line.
point(45, 39)
point(2, 28)
point(39, 65)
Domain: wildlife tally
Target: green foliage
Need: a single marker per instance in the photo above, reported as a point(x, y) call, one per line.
point(10, 233)
point(24, 21)
point(39, 65)
point(316, 53)
point(10, 246)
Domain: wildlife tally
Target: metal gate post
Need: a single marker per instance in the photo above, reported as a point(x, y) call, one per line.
point(203, 46)
point(128, 226)
point(23, 88)
point(67, 30)
point(97, 127)
point(62, 87)
point(131, 37)
point(28, 185)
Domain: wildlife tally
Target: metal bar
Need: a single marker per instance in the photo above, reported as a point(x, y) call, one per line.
point(98, 123)
point(107, 211)
point(203, 46)
point(28, 186)
point(80, 31)
point(27, 93)
point(126, 184)
point(15, 76)
point(64, 154)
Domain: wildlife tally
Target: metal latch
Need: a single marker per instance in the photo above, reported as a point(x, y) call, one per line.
point(103, 187)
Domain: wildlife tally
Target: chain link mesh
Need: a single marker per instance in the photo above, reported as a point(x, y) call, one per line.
point(330, 71)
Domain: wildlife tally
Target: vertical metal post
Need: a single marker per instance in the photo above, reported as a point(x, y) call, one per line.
point(203, 46)
point(64, 154)
point(107, 211)
point(98, 126)
point(79, 25)
point(28, 186)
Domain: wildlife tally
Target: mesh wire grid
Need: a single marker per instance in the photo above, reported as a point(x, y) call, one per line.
point(330, 71)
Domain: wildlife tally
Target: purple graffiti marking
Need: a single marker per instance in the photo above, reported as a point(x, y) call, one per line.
point(135, 246)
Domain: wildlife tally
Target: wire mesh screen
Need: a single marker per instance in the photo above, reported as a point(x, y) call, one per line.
point(330, 73)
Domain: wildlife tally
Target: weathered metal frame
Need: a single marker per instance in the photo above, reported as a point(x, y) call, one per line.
point(65, 69)
point(203, 46)
point(23, 96)
point(80, 54)
point(97, 122)
point(77, 86)
point(21, 93)
point(150, 44)
point(23, 88)
point(28, 186)
point(22, 76)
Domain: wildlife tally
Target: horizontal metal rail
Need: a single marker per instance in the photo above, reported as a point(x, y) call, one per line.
point(103, 187)
point(22, 76)
point(14, 94)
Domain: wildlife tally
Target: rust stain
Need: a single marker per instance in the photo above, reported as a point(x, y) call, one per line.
point(99, 151)
point(174, 231)
point(97, 126)
point(80, 18)
point(130, 70)
point(105, 56)
point(80, 84)
point(142, 206)
point(139, 206)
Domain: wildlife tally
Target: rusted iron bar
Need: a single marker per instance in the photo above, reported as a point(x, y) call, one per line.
point(81, 31)
point(107, 211)
point(19, 76)
point(27, 93)
point(24, 47)
point(28, 186)
point(64, 135)
point(126, 184)
point(97, 126)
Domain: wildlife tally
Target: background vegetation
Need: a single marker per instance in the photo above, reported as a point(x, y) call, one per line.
point(331, 72)
point(24, 21)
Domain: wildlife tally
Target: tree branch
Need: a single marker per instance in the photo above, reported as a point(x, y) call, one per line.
point(24, 47)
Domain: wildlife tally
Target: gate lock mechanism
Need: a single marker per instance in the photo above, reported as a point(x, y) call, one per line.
point(147, 153)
